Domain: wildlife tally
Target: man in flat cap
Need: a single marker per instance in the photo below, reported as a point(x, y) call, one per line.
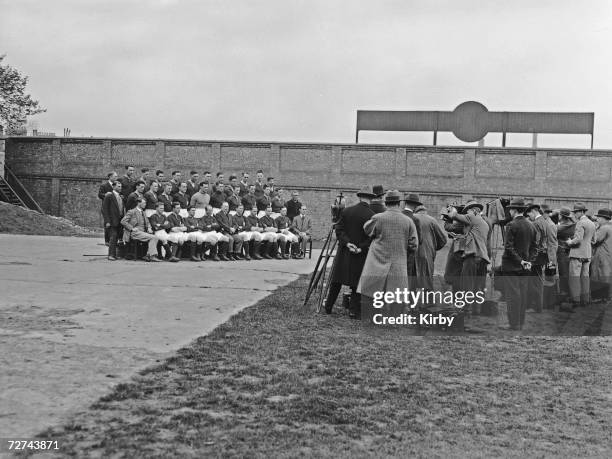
point(394, 236)
point(519, 252)
point(475, 250)
point(580, 257)
point(353, 245)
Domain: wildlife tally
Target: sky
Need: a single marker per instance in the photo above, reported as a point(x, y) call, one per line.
point(297, 71)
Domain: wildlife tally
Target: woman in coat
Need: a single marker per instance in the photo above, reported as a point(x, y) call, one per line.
point(394, 235)
point(601, 263)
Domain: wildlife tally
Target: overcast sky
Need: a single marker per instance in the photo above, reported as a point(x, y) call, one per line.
point(283, 70)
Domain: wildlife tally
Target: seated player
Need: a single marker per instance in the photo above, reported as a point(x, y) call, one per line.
point(254, 233)
point(159, 223)
point(243, 235)
point(138, 227)
point(194, 235)
point(227, 228)
point(287, 240)
point(270, 235)
point(302, 226)
point(209, 227)
point(177, 234)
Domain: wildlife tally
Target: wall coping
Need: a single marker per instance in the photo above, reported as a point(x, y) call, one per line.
point(261, 142)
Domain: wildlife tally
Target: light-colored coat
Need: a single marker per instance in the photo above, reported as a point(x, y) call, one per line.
point(385, 269)
point(601, 264)
point(136, 224)
point(584, 235)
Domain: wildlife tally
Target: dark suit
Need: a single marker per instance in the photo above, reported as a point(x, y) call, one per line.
point(192, 188)
point(181, 198)
point(377, 206)
point(132, 200)
point(520, 245)
point(112, 214)
point(106, 187)
point(347, 266)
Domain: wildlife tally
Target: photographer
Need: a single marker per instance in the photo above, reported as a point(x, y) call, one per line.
point(353, 245)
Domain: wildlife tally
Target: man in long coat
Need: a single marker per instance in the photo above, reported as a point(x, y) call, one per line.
point(411, 202)
point(565, 230)
point(353, 245)
point(431, 239)
point(394, 237)
point(601, 264)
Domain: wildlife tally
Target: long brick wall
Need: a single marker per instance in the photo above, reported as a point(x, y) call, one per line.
point(63, 174)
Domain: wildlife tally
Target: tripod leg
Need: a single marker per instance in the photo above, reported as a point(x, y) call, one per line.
point(324, 285)
point(314, 279)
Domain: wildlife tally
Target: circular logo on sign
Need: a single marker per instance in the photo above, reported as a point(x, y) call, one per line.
point(470, 121)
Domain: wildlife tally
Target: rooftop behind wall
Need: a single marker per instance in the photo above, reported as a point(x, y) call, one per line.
point(63, 174)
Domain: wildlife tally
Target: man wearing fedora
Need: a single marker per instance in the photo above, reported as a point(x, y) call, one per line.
point(565, 230)
point(411, 202)
point(519, 252)
point(475, 250)
point(377, 205)
point(353, 245)
point(536, 280)
point(431, 239)
point(580, 257)
point(393, 237)
point(601, 264)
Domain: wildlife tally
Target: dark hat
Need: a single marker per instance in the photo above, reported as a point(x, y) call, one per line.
point(412, 198)
point(471, 204)
point(565, 212)
point(420, 208)
point(393, 196)
point(533, 205)
point(378, 190)
point(365, 193)
point(605, 213)
point(546, 208)
point(517, 203)
point(579, 206)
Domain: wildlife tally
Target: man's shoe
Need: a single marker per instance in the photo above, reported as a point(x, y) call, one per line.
point(257, 257)
point(223, 258)
point(112, 259)
point(237, 256)
point(154, 258)
point(174, 259)
point(215, 258)
point(266, 256)
point(278, 256)
point(286, 256)
point(247, 257)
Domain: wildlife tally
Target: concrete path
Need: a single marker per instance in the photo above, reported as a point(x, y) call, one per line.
point(73, 326)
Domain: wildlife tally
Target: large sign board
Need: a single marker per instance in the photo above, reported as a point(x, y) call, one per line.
point(471, 121)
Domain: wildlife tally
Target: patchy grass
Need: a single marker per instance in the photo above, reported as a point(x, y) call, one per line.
point(18, 220)
point(278, 380)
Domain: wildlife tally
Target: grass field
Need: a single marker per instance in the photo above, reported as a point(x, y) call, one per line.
point(278, 380)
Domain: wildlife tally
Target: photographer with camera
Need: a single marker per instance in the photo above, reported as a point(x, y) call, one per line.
point(353, 245)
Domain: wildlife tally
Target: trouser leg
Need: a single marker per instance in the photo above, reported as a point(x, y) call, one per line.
point(513, 299)
point(113, 235)
point(575, 269)
point(332, 295)
point(585, 284)
point(536, 287)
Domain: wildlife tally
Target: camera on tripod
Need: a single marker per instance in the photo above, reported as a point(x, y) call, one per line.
point(337, 207)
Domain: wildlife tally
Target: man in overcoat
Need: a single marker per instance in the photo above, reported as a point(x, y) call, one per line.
point(353, 245)
point(393, 236)
point(519, 253)
point(601, 264)
point(580, 257)
point(377, 205)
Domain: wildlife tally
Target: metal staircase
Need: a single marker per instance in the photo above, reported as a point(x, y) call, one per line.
point(8, 195)
point(13, 192)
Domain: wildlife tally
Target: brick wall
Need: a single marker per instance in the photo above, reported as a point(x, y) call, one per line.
point(63, 174)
